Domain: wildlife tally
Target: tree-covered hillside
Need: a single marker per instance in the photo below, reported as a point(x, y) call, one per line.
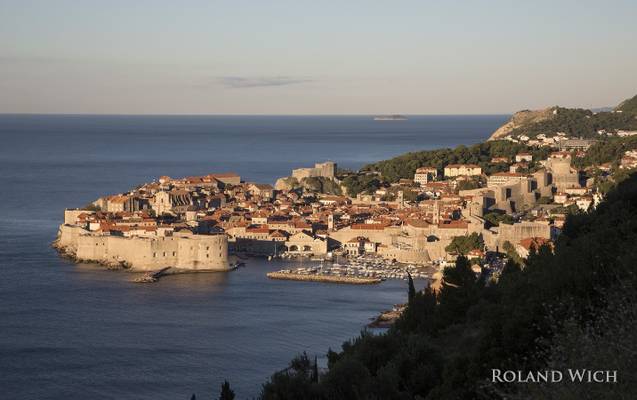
point(628, 106)
point(576, 122)
point(551, 310)
point(406, 164)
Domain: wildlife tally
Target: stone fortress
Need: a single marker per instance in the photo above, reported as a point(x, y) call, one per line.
point(326, 170)
point(140, 251)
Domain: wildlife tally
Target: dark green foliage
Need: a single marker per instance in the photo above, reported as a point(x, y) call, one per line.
point(315, 371)
point(405, 165)
point(469, 184)
point(92, 207)
point(356, 184)
point(464, 244)
point(603, 342)
point(577, 122)
point(460, 290)
point(606, 151)
point(412, 290)
point(628, 106)
point(445, 344)
point(511, 267)
point(572, 209)
point(226, 392)
point(319, 184)
point(418, 317)
point(295, 382)
point(495, 218)
point(510, 251)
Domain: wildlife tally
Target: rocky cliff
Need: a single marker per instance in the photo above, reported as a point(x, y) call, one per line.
point(575, 122)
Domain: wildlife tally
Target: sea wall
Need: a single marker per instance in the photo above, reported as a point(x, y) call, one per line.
point(193, 252)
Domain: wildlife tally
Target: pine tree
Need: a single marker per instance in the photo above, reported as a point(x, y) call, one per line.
point(315, 373)
point(226, 392)
point(412, 289)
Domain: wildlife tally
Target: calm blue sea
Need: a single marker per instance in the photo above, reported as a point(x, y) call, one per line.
point(79, 332)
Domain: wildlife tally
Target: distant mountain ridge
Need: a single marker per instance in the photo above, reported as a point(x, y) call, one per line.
point(573, 121)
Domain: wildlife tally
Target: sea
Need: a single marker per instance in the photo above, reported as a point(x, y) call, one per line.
point(79, 331)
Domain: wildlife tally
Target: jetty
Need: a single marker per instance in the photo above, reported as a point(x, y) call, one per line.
point(151, 276)
point(323, 278)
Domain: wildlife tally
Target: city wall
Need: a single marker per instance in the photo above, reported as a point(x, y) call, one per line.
point(516, 232)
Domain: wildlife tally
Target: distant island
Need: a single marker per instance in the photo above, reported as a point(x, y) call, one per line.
point(394, 117)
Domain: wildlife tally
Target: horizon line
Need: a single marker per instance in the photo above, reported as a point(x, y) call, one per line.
point(242, 114)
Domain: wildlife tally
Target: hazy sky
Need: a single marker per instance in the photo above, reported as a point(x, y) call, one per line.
point(314, 57)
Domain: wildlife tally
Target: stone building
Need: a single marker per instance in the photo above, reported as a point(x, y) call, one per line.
point(303, 243)
point(164, 202)
point(563, 175)
point(424, 175)
point(505, 178)
point(453, 170)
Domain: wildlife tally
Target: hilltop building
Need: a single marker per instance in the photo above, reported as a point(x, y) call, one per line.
point(453, 170)
point(425, 175)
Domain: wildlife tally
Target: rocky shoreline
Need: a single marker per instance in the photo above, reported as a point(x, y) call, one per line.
point(69, 254)
point(387, 318)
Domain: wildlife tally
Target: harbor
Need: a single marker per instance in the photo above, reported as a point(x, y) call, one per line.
point(361, 270)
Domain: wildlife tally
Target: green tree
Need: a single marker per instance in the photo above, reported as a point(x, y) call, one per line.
point(315, 371)
point(294, 382)
point(226, 392)
point(466, 243)
point(412, 289)
point(512, 253)
point(355, 184)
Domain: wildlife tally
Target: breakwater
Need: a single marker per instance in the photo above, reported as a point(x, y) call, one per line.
point(323, 278)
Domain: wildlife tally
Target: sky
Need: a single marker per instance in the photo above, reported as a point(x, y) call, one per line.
point(314, 57)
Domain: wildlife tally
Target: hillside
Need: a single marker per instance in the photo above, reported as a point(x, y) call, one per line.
point(521, 119)
point(405, 165)
point(629, 105)
point(575, 122)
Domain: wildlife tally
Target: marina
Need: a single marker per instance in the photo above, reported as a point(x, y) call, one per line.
point(291, 276)
point(359, 270)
